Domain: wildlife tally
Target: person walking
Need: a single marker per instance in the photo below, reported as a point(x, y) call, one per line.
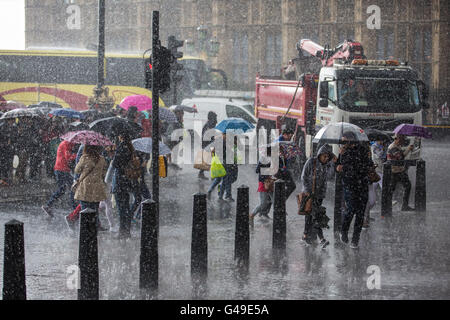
point(314, 181)
point(64, 179)
point(125, 181)
point(399, 173)
point(284, 173)
point(210, 124)
point(91, 188)
point(354, 164)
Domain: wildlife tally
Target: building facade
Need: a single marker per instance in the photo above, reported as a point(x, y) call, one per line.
point(259, 35)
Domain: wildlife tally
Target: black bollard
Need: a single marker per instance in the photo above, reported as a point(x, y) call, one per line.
point(338, 192)
point(88, 256)
point(279, 217)
point(14, 287)
point(148, 264)
point(199, 244)
point(386, 192)
point(242, 233)
point(420, 197)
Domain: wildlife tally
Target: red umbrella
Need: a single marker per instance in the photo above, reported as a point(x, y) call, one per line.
point(87, 137)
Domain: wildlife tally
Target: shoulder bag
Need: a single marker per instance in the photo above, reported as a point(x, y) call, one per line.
point(304, 200)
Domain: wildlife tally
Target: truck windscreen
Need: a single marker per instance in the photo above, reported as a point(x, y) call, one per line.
point(378, 95)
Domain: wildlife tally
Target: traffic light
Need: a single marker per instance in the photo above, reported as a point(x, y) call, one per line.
point(148, 72)
point(173, 45)
point(162, 67)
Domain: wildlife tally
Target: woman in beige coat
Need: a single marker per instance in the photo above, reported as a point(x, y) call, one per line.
point(91, 187)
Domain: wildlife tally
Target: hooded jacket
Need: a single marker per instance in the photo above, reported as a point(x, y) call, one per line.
point(320, 188)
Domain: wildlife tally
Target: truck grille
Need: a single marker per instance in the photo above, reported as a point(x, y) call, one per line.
point(387, 124)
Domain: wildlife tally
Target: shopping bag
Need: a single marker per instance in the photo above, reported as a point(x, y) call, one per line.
point(304, 202)
point(162, 167)
point(217, 169)
point(202, 160)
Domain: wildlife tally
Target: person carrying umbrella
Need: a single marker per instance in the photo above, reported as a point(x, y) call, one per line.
point(399, 173)
point(283, 172)
point(354, 163)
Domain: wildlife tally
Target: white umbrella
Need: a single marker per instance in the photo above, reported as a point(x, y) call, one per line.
point(145, 145)
point(333, 132)
point(181, 107)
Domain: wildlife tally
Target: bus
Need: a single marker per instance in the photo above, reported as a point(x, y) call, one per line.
point(67, 77)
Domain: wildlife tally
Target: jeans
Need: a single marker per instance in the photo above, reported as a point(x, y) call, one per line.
point(63, 180)
point(355, 202)
point(265, 203)
point(311, 229)
point(403, 178)
point(225, 186)
point(125, 214)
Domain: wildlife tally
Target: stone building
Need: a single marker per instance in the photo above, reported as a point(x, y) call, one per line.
point(259, 35)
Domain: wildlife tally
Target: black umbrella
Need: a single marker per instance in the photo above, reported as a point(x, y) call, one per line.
point(49, 104)
point(375, 135)
point(114, 126)
point(77, 125)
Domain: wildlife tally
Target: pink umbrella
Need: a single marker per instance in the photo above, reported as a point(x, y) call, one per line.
point(87, 137)
point(140, 101)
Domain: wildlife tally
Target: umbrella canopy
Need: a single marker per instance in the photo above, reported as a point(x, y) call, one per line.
point(376, 135)
point(67, 113)
point(332, 133)
point(87, 137)
point(49, 104)
point(234, 124)
point(181, 107)
point(289, 150)
point(413, 130)
point(40, 110)
point(11, 105)
point(140, 101)
point(164, 115)
point(145, 145)
point(77, 125)
point(19, 113)
point(113, 126)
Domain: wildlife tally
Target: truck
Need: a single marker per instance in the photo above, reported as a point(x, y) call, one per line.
point(344, 87)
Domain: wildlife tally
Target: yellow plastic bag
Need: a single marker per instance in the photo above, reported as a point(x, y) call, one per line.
point(162, 167)
point(217, 169)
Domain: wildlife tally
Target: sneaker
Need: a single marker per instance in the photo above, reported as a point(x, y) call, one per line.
point(114, 229)
point(365, 226)
point(251, 220)
point(70, 223)
point(47, 210)
point(344, 238)
point(229, 199)
point(394, 202)
point(407, 208)
point(102, 229)
point(324, 243)
point(354, 245)
point(265, 216)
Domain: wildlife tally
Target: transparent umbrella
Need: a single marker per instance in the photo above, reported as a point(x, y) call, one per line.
point(333, 133)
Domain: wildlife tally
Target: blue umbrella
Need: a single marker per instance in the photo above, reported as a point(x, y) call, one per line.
point(234, 124)
point(66, 112)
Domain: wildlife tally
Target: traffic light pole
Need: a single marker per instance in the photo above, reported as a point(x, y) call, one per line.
point(155, 111)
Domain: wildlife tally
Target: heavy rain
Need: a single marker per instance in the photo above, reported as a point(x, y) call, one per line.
point(302, 150)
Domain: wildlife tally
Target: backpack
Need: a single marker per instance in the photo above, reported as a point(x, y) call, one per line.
point(133, 168)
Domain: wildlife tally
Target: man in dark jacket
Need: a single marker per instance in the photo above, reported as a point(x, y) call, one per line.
point(354, 163)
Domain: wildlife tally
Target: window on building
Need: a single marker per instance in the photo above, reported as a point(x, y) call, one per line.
point(385, 44)
point(345, 34)
point(422, 52)
point(240, 57)
point(273, 54)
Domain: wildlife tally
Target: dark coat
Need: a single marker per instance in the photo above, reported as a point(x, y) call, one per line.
point(356, 164)
point(120, 182)
point(320, 189)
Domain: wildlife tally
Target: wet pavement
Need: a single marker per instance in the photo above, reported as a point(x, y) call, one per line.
point(410, 250)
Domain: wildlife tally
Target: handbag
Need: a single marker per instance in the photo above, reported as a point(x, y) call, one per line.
point(269, 184)
point(305, 200)
point(162, 166)
point(373, 175)
point(76, 183)
point(202, 160)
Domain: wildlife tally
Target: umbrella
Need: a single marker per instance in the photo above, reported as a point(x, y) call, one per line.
point(375, 135)
point(145, 145)
point(113, 126)
point(40, 110)
point(181, 107)
point(67, 113)
point(11, 105)
point(164, 115)
point(234, 124)
point(332, 133)
point(48, 104)
point(87, 137)
point(19, 113)
point(77, 125)
point(412, 130)
point(140, 101)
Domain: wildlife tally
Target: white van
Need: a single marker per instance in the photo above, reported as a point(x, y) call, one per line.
point(223, 107)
